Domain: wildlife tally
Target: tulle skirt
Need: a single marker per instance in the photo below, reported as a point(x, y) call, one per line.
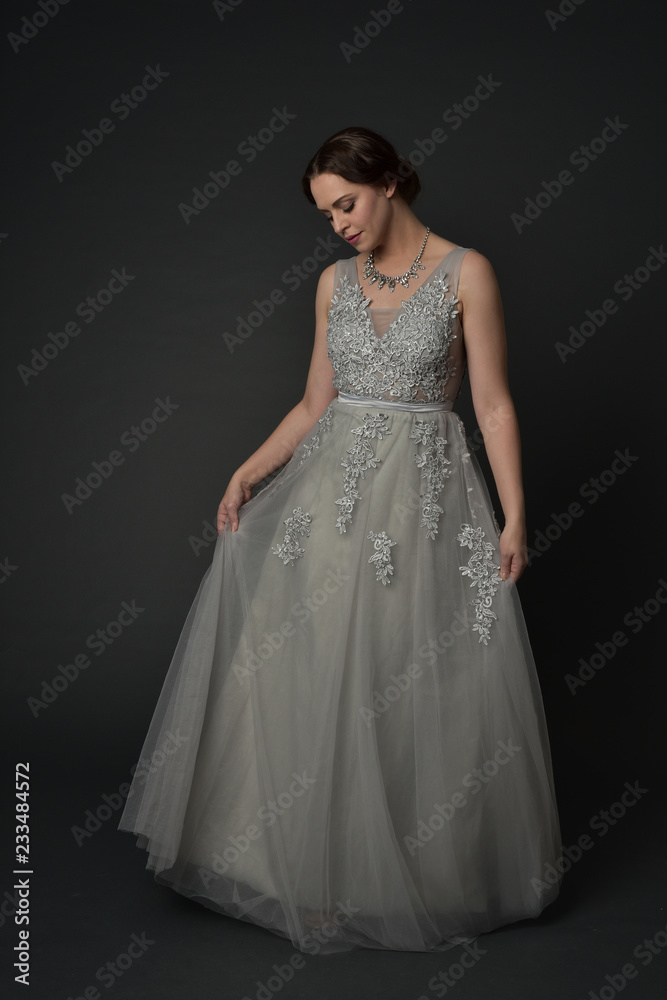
point(350, 746)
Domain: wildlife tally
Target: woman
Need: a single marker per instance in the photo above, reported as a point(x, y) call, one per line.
point(350, 746)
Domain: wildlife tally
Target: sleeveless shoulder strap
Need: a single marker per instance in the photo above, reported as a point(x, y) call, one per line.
point(345, 265)
point(453, 269)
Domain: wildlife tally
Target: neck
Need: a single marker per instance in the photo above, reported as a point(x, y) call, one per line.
point(402, 240)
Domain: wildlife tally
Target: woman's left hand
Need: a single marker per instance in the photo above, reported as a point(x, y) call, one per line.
point(513, 551)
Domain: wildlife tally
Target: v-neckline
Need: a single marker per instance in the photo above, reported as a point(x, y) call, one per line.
point(397, 309)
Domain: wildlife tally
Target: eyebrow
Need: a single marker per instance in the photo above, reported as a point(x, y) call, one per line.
point(337, 201)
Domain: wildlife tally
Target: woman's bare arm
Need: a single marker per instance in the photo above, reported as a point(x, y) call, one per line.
point(281, 444)
point(486, 348)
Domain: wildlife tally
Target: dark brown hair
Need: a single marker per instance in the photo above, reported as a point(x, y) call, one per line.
point(361, 156)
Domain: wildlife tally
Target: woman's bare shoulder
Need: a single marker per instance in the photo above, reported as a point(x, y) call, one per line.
point(476, 271)
point(325, 288)
point(325, 283)
point(327, 275)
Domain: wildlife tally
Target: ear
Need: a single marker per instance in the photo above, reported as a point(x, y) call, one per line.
point(390, 187)
point(387, 185)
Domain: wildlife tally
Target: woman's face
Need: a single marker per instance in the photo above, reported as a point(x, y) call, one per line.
point(358, 213)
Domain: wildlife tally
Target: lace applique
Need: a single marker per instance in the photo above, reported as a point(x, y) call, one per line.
point(411, 361)
point(323, 424)
point(483, 574)
point(382, 544)
point(465, 455)
point(433, 461)
point(297, 524)
point(362, 458)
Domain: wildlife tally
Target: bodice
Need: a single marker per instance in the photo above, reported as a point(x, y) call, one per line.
point(420, 356)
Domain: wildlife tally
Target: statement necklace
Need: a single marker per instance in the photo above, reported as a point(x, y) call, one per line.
point(371, 271)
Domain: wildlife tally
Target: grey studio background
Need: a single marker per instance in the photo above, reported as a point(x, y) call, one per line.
point(160, 264)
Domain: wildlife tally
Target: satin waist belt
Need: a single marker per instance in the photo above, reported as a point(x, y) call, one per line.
point(393, 404)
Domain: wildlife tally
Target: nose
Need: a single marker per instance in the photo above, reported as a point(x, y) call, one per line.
point(340, 225)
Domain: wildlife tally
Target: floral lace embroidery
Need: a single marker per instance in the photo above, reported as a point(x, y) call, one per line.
point(433, 461)
point(362, 458)
point(382, 544)
point(483, 574)
point(323, 424)
point(411, 362)
point(297, 524)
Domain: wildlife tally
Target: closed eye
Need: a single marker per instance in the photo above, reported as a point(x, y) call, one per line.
point(330, 218)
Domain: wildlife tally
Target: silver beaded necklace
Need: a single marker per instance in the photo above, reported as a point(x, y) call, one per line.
point(371, 271)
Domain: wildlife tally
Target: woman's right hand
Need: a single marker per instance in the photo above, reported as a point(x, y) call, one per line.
point(237, 493)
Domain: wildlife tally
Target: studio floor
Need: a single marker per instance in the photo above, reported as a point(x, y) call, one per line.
point(101, 926)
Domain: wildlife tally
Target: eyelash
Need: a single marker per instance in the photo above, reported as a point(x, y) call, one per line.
point(345, 210)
